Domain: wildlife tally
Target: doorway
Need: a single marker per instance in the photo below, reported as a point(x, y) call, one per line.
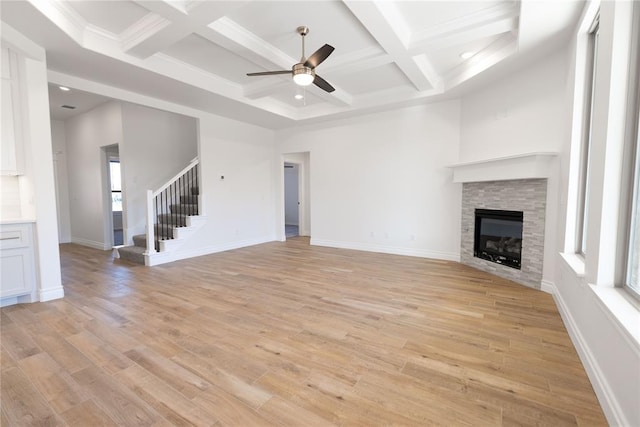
point(296, 213)
point(114, 205)
point(291, 200)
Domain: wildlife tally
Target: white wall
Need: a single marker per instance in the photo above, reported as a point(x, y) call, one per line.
point(59, 142)
point(156, 146)
point(524, 113)
point(291, 189)
point(380, 182)
point(86, 134)
point(240, 208)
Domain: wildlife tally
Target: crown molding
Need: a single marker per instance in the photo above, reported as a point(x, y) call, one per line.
point(142, 30)
point(245, 38)
point(64, 16)
point(466, 23)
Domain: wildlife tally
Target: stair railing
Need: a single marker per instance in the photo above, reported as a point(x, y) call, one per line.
point(160, 201)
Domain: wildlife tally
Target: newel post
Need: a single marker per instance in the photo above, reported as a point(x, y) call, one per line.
point(151, 245)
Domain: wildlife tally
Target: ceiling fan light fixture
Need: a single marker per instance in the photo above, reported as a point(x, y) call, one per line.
point(303, 79)
point(303, 76)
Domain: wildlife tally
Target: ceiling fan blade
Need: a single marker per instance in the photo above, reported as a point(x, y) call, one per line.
point(269, 73)
point(319, 56)
point(322, 84)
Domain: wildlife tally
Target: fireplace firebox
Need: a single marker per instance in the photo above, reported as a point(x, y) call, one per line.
point(498, 236)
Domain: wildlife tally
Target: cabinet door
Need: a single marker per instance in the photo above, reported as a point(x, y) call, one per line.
point(15, 272)
point(11, 142)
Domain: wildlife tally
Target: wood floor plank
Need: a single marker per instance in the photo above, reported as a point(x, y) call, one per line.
point(56, 386)
point(22, 403)
point(289, 334)
point(87, 414)
point(168, 370)
point(174, 406)
point(115, 399)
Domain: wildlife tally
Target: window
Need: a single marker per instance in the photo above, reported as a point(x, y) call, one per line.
point(116, 186)
point(633, 271)
point(632, 281)
point(583, 190)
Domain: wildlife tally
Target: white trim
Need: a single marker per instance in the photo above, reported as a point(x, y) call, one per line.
point(548, 287)
point(165, 257)
point(394, 250)
point(90, 243)
point(575, 262)
point(50, 294)
point(621, 312)
point(615, 415)
point(521, 166)
point(5, 302)
point(142, 30)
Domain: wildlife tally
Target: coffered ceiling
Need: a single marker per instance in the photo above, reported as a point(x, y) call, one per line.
point(197, 53)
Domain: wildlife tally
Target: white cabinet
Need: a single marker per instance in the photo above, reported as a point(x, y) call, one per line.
point(11, 154)
point(17, 274)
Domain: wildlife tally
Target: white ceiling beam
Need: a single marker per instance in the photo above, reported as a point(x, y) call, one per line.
point(427, 68)
point(338, 97)
point(500, 12)
point(502, 48)
point(464, 35)
point(241, 37)
point(168, 24)
point(386, 26)
point(360, 60)
point(265, 86)
point(64, 17)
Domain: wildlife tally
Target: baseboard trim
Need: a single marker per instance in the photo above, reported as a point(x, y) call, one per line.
point(394, 250)
point(51, 294)
point(548, 287)
point(165, 257)
point(90, 243)
point(611, 408)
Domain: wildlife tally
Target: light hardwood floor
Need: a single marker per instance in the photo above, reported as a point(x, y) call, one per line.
point(289, 334)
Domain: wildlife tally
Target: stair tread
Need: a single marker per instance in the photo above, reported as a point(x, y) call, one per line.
point(132, 249)
point(133, 254)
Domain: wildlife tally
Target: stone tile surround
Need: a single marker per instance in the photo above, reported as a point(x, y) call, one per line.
point(526, 195)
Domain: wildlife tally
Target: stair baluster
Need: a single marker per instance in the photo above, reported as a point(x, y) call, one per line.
point(166, 210)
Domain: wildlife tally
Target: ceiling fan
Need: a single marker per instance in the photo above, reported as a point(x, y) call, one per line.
point(304, 72)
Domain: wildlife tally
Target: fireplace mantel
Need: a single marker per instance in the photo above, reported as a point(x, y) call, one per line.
point(521, 166)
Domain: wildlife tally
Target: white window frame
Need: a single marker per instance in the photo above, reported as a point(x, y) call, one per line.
point(631, 176)
point(585, 146)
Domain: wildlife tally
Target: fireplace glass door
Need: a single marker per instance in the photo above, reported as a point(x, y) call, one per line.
point(498, 236)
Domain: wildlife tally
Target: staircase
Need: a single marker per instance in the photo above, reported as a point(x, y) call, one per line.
point(174, 210)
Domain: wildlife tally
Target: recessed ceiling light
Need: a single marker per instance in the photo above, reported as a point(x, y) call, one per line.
point(298, 96)
point(64, 88)
point(466, 55)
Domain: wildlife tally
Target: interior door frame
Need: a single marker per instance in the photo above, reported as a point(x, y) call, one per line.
point(106, 156)
point(302, 160)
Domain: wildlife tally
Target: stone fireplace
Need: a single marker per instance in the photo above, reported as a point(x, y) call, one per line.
point(513, 187)
point(526, 195)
